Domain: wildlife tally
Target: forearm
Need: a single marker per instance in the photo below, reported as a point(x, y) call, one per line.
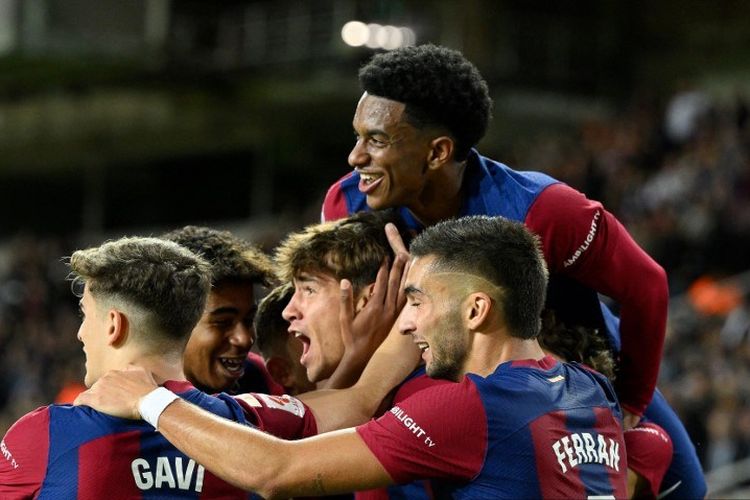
point(274, 468)
point(394, 360)
point(240, 455)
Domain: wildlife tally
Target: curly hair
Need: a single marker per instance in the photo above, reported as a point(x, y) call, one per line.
point(352, 248)
point(231, 259)
point(439, 86)
point(162, 285)
point(576, 343)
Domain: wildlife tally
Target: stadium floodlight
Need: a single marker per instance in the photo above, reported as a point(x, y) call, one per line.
point(376, 36)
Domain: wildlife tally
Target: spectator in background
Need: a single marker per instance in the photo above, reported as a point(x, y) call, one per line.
point(217, 356)
point(281, 351)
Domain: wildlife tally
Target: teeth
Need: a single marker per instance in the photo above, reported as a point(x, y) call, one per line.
point(424, 346)
point(232, 364)
point(368, 178)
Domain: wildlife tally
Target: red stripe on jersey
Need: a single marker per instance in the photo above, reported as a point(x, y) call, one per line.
point(554, 482)
point(334, 204)
point(609, 426)
point(102, 464)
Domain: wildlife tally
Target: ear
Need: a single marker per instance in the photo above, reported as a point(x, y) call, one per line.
point(477, 309)
point(279, 370)
point(118, 328)
point(364, 297)
point(441, 152)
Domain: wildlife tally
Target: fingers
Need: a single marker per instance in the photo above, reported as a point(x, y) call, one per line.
point(395, 240)
point(346, 310)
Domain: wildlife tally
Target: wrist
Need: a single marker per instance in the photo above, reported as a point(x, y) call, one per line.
point(153, 404)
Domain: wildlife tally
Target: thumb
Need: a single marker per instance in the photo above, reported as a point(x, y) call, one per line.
point(346, 310)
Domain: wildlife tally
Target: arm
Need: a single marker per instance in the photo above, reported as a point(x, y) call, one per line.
point(333, 463)
point(23, 456)
point(396, 357)
point(614, 265)
point(246, 457)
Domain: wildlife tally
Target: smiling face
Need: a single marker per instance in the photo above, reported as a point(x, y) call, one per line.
point(92, 334)
point(218, 346)
point(390, 154)
point(313, 315)
point(432, 316)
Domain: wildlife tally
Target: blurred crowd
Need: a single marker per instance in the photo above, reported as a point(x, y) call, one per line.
point(676, 173)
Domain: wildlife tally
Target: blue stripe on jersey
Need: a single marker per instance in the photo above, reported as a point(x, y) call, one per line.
point(492, 188)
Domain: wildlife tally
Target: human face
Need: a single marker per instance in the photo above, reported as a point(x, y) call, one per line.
point(92, 334)
point(313, 315)
point(390, 154)
point(216, 351)
point(432, 316)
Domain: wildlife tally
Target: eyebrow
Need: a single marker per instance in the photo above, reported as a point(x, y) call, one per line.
point(413, 290)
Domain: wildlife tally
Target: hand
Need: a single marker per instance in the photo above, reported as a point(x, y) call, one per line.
point(117, 393)
point(629, 420)
point(364, 331)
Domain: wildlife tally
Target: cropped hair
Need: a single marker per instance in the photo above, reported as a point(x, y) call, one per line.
point(576, 343)
point(271, 329)
point(352, 248)
point(231, 258)
point(439, 87)
point(500, 251)
point(160, 283)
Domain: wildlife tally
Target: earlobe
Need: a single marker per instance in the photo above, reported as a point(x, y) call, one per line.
point(479, 307)
point(441, 152)
point(117, 328)
point(364, 297)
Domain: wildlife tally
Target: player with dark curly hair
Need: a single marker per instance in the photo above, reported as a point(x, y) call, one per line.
point(423, 111)
point(217, 355)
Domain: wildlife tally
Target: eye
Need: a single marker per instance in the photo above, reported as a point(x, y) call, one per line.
point(378, 142)
point(308, 290)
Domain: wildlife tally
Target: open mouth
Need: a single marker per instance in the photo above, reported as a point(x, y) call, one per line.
point(235, 366)
point(423, 346)
point(369, 182)
point(305, 345)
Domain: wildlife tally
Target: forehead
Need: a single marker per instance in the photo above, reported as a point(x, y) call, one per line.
point(378, 112)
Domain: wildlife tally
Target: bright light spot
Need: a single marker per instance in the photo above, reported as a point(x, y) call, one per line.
point(375, 36)
point(372, 40)
point(390, 37)
point(408, 36)
point(355, 33)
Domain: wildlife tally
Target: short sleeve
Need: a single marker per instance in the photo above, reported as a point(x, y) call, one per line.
point(282, 416)
point(23, 456)
point(649, 450)
point(440, 432)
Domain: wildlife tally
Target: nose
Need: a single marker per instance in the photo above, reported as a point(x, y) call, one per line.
point(358, 157)
point(406, 324)
point(242, 335)
point(291, 312)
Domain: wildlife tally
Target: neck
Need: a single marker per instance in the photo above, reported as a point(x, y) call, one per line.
point(162, 365)
point(488, 351)
point(442, 196)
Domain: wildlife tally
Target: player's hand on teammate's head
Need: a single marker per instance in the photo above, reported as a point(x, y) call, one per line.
point(118, 392)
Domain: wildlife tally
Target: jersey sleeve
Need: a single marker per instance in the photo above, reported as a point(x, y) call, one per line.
point(649, 450)
point(439, 432)
point(285, 416)
point(23, 456)
point(334, 204)
point(582, 240)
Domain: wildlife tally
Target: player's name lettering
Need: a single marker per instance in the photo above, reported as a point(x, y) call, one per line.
point(584, 448)
point(7, 455)
point(410, 424)
point(168, 472)
point(589, 238)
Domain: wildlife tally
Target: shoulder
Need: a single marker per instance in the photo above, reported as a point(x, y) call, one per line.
point(343, 198)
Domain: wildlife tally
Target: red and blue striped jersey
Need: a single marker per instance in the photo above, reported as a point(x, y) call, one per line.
point(531, 429)
point(63, 451)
